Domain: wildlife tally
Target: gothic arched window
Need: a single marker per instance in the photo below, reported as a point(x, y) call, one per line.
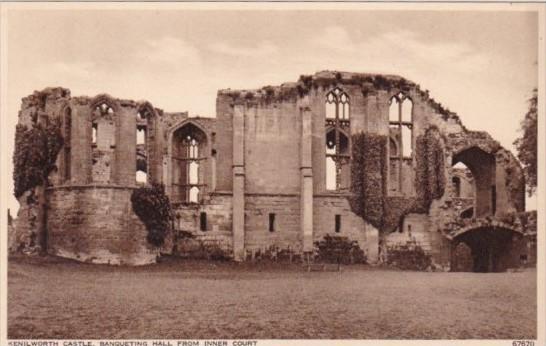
point(188, 153)
point(337, 142)
point(401, 137)
point(142, 145)
point(401, 123)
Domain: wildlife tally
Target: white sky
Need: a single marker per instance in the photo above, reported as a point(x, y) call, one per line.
point(482, 65)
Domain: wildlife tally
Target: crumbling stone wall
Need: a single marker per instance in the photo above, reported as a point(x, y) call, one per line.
point(96, 224)
point(41, 107)
point(84, 211)
point(264, 153)
point(11, 233)
point(217, 230)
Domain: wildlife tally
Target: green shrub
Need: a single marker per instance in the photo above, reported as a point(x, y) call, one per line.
point(337, 249)
point(152, 206)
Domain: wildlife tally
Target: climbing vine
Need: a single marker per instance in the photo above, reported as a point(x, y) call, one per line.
point(369, 180)
point(35, 153)
point(152, 206)
point(368, 171)
point(429, 177)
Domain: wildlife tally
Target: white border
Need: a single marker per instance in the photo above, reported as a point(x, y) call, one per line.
point(541, 201)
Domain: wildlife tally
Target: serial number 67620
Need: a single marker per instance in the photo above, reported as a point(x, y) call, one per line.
point(523, 343)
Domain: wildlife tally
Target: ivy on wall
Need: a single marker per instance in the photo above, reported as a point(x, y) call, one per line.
point(514, 180)
point(429, 160)
point(35, 153)
point(396, 208)
point(369, 171)
point(369, 180)
point(152, 206)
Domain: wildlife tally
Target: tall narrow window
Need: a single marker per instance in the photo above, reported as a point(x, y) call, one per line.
point(271, 222)
point(493, 199)
point(394, 169)
point(456, 186)
point(141, 147)
point(337, 142)
point(203, 221)
point(189, 146)
point(338, 223)
point(401, 138)
point(401, 122)
point(141, 136)
point(94, 133)
point(103, 142)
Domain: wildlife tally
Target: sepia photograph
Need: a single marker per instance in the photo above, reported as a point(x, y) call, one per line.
point(227, 174)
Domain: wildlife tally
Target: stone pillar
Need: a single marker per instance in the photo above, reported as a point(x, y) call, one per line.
point(166, 176)
point(238, 225)
point(306, 174)
point(125, 147)
point(212, 172)
point(80, 163)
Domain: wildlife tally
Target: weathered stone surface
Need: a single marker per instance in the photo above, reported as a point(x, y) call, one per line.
point(255, 177)
point(96, 224)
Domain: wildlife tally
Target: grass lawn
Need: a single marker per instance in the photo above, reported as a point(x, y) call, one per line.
point(53, 298)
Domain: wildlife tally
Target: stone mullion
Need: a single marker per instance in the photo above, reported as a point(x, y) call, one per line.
point(400, 146)
point(337, 158)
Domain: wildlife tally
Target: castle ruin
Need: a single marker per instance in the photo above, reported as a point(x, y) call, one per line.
point(275, 168)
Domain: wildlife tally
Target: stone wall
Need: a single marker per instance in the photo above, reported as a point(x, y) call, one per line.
point(285, 233)
point(264, 155)
point(28, 236)
point(224, 142)
point(325, 209)
point(271, 143)
point(96, 224)
point(217, 231)
point(414, 229)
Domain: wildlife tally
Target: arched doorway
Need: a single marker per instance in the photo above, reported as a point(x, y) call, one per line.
point(482, 166)
point(491, 250)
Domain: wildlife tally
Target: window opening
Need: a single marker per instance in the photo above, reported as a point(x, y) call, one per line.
point(456, 186)
point(401, 122)
point(203, 221)
point(271, 222)
point(401, 141)
point(94, 134)
point(189, 143)
point(140, 136)
point(141, 177)
point(337, 143)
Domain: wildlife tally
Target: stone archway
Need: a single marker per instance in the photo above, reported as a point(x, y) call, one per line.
point(492, 249)
point(482, 165)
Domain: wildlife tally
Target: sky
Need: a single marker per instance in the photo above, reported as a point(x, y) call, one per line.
point(480, 64)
